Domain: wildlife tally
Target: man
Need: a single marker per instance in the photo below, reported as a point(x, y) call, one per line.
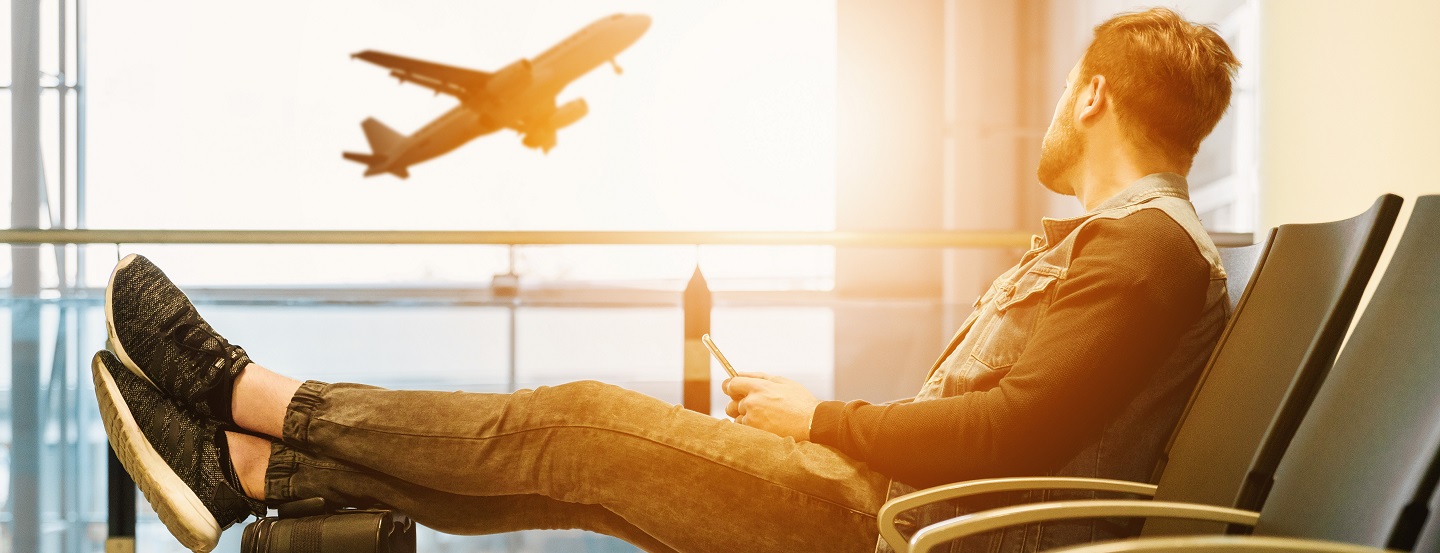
point(1075, 362)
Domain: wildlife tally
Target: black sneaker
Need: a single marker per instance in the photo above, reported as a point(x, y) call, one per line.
point(178, 459)
point(157, 334)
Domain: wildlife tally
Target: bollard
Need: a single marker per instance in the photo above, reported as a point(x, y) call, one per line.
point(696, 302)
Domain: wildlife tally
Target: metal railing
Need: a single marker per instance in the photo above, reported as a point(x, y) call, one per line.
point(857, 239)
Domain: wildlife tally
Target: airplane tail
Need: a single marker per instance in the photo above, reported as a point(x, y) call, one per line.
point(380, 136)
point(382, 139)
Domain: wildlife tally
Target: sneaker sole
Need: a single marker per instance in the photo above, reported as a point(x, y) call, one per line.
point(174, 502)
point(113, 339)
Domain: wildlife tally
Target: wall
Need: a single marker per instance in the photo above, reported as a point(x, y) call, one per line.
point(1349, 106)
point(1348, 109)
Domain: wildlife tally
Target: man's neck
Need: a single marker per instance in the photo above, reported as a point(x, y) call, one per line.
point(1100, 178)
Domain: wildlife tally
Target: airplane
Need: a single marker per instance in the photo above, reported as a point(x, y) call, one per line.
point(520, 96)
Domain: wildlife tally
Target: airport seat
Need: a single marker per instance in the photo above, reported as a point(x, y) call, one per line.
point(1282, 336)
point(1361, 469)
point(1240, 263)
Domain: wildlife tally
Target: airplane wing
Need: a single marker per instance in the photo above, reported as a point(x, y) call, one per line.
point(455, 81)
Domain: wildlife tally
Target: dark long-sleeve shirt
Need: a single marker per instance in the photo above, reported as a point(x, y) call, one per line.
point(1133, 287)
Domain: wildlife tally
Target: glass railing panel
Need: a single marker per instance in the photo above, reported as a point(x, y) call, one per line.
point(68, 446)
point(418, 347)
point(641, 348)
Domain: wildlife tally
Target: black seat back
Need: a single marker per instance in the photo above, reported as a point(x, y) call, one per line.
point(1364, 453)
point(1240, 263)
point(1282, 338)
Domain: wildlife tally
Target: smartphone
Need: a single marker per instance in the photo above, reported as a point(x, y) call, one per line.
point(710, 345)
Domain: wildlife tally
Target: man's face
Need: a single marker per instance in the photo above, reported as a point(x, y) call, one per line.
point(1062, 147)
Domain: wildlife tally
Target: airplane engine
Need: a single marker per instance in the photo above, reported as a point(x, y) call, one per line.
point(569, 113)
point(511, 79)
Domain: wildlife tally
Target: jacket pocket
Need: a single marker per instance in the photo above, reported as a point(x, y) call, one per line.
point(1018, 307)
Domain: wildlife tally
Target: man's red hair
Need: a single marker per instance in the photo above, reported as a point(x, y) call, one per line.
point(1170, 78)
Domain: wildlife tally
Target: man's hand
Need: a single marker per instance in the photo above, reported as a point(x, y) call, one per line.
point(772, 403)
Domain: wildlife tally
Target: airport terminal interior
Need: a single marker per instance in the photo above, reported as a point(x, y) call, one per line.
point(825, 186)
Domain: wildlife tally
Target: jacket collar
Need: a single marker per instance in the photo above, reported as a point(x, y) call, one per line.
point(1149, 187)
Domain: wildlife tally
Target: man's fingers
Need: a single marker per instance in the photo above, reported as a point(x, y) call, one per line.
point(741, 410)
point(725, 386)
point(732, 409)
point(742, 386)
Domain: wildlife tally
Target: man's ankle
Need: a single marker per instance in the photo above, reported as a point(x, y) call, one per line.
point(235, 390)
point(250, 457)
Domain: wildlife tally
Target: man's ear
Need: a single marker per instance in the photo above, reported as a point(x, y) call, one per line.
point(1094, 99)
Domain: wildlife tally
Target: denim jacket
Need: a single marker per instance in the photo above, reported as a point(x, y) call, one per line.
point(994, 335)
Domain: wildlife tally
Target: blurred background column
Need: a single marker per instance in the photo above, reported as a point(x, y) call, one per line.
point(26, 175)
point(935, 128)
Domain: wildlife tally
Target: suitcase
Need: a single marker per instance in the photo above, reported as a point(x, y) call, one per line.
point(309, 526)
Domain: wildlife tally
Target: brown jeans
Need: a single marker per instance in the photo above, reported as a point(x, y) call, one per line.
point(583, 455)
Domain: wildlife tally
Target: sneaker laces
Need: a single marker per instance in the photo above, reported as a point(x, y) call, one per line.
point(189, 332)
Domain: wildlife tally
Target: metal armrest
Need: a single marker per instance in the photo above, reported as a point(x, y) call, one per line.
point(898, 505)
point(1221, 544)
point(985, 521)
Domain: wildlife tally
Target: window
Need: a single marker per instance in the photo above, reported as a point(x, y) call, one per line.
point(214, 117)
point(207, 116)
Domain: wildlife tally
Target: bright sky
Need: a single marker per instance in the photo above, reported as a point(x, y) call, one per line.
point(207, 115)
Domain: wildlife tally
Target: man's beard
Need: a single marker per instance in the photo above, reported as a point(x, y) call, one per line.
point(1059, 152)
